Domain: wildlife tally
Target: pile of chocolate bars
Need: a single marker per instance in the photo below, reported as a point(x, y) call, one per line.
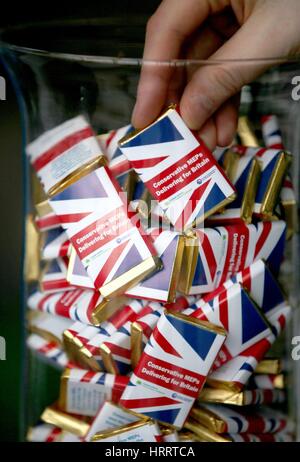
point(158, 295)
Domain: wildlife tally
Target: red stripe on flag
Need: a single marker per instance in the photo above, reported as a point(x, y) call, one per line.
point(246, 279)
point(267, 226)
point(55, 284)
point(92, 304)
point(148, 402)
point(147, 330)
point(164, 344)
point(108, 265)
point(43, 301)
point(64, 249)
point(118, 350)
point(48, 347)
point(61, 147)
point(88, 376)
point(66, 301)
point(72, 217)
point(190, 206)
point(53, 435)
point(223, 306)
point(110, 137)
point(47, 222)
point(147, 163)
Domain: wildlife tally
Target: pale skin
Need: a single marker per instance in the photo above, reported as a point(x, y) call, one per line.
point(216, 30)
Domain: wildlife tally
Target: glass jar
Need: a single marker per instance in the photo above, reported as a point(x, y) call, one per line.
point(92, 68)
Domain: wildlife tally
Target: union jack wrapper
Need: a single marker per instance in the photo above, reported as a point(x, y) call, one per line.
point(178, 169)
point(59, 153)
point(49, 352)
point(56, 244)
point(220, 253)
point(274, 166)
point(82, 392)
point(91, 353)
point(245, 177)
point(242, 398)
point(49, 327)
point(141, 331)
point(109, 415)
point(72, 423)
point(76, 273)
point(87, 306)
point(135, 432)
point(120, 349)
point(173, 368)
point(46, 219)
point(46, 433)
point(244, 323)
point(281, 437)
point(117, 161)
point(267, 381)
point(271, 132)
point(113, 250)
point(54, 276)
point(262, 287)
point(162, 285)
point(224, 251)
point(226, 419)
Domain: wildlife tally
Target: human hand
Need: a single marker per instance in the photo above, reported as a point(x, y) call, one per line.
point(214, 30)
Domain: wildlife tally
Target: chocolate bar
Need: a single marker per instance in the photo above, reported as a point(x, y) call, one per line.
point(135, 432)
point(242, 398)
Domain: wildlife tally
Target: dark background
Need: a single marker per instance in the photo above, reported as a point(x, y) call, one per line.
point(11, 377)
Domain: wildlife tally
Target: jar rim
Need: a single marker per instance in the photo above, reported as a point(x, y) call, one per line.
point(117, 60)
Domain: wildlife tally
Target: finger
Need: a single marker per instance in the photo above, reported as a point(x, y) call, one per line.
point(167, 29)
point(226, 119)
point(212, 85)
point(208, 134)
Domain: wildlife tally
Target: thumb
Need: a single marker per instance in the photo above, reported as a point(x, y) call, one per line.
point(249, 53)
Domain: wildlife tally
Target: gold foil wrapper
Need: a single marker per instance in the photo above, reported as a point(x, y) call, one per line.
point(78, 174)
point(67, 422)
point(32, 251)
point(204, 434)
point(129, 279)
point(63, 390)
point(136, 340)
point(246, 132)
point(250, 191)
point(231, 386)
point(119, 430)
point(274, 187)
point(208, 419)
point(189, 262)
point(108, 360)
point(290, 211)
point(269, 366)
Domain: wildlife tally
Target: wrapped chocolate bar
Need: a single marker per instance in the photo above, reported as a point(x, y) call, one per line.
point(274, 166)
point(49, 327)
point(141, 331)
point(267, 381)
point(91, 353)
point(241, 398)
point(46, 433)
point(181, 303)
point(49, 352)
point(55, 244)
point(163, 284)
point(173, 368)
point(87, 306)
point(61, 152)
point(46, 219)
point(108, 416)
point(226, 419)
point(82, 392)
point(136, 432)
point(178, 169)
point(244, 323)
point(245, 176)
point(121, 350)
point(76, 273)
point(205, 435)
point(224, 251)
point(54, 276)
point(73, 423)
point(113, 250)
